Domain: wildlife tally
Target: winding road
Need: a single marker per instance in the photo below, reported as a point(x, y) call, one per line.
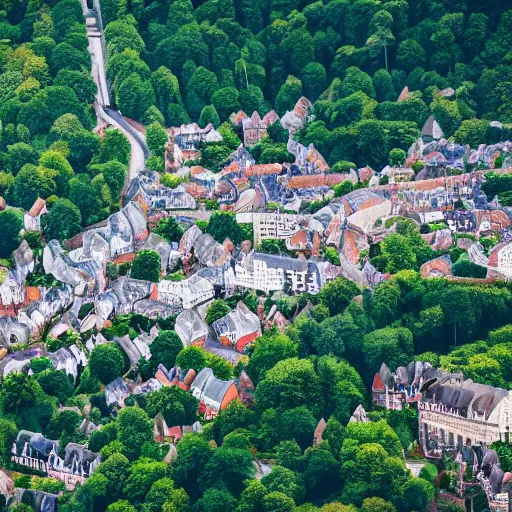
point(106, 115)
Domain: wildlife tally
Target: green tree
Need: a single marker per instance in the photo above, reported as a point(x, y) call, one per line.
point(146, 266)
point(169, 229)
point(417, 494)
point(55, 161)
point(269, 349)
point(216, 500)
point(63, 221)
point(121, 506)
point(223, 225)
point(225, 101)
point(228, 467)
point(8, 433)
point(115, 469)
point(106, 362)
point(337, 294)
point(298, 378)
point(217, 309)
point(288, 95)
point(11, 223)
point(134, 428)
point(56, 383)
point(178, 407)
point(164, 350)
point(31, 183)
point(209, 115)
point(156, 138)
point(393, 346)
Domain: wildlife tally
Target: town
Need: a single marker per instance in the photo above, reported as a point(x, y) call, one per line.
point(205, 305)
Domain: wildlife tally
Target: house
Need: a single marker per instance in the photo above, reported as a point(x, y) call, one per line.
point(213, 394)
point(72, 465)
point(236, 119)
point(191, 328)
point(431, 130)
point(254, 129)
point(32, 219)
point(294, 120)
point(395, 390)
point(187, 293)
point(238, 328)
point(267, 272)
point(455, 412)
point(275, 226)
point(500, 259)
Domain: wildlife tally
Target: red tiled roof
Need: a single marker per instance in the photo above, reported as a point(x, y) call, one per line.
point(263, 170)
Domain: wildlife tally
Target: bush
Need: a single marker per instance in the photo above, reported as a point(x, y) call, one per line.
point(428, 472)
point(465, 268)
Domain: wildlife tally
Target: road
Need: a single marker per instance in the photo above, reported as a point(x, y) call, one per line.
point(105, 114)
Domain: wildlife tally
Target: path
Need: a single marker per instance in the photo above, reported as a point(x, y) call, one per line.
point(105, 115)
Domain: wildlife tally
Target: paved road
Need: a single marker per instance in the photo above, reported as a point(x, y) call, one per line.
point(106, 115)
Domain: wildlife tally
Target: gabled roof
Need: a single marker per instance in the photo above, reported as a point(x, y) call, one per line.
point(37, 207)
point(432, 129)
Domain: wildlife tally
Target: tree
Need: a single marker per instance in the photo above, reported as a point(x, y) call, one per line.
point(417, 494)
point(209, 115)
point(377, 505)
point(144, 472)
point(356, 80)
point(288, 95)
point(11, 223)
point(55, 161)
point(337, 294)
point(228, 467)
point(217, 309)
point(18, 391)
point(398, 253)
point(191, 357)
point(82, 83)
point(178, 407)
point(163, 491)
point(200, 89)
point(65, 15)
point(164, 350)
point(156, 138)
point(225, 101)
point(114, 173)
point(134, 96)
point(63, 221)
point(193, 454)
point(20, 154)
point(397, 157)
point(116, 469)
point(216, 500)
point(285, 481)
point(8, 433)
point(65, 56)
point(121, 506)
point(314, 80)
point(223, 225)
point(134, 428)
point(299, 379)
point(146, 266)
point(56, 383)
point(31, 183)
point(106, 362)
point(277, 502)
point(269, 349)
point(169, 229)
point(393, 346)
